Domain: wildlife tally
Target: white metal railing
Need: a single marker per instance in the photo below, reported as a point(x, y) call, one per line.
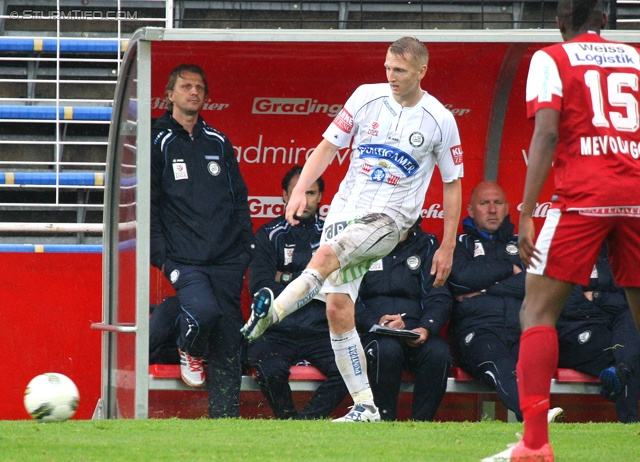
point(634, 7)
point(58, 79)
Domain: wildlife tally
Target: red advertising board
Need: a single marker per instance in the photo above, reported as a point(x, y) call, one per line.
point(275, 99)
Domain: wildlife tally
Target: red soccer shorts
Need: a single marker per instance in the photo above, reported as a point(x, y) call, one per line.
point(569, 245)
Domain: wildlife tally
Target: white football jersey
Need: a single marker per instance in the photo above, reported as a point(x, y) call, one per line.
point(394, 152)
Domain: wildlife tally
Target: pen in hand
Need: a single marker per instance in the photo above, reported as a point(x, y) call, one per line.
point(389, 320)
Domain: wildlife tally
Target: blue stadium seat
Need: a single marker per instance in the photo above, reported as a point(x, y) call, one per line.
point(49, 112)
point(49, 178)
point(66, 45)
point(51, 248)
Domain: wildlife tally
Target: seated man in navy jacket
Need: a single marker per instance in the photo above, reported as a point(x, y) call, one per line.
point(597, 336)
point(282, 252)
point(487, 281)
point(398, 292)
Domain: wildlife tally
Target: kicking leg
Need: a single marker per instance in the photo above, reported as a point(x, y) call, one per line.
point(267, 310)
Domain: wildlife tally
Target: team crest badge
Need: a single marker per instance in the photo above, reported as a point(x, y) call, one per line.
point(584, 336)
point(416, 139)
point(512, 249)
point(413, 262)
point(173, 277)
point(214, 168)
point(477, 249)
point(378, 174)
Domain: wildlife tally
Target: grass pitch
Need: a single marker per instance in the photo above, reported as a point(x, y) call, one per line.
point(273, 440)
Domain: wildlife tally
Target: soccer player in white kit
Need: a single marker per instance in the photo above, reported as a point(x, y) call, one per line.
point(585, 96)
point(399, 133)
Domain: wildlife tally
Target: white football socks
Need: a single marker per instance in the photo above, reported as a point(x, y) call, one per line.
point(352, 365)
point(298, 293)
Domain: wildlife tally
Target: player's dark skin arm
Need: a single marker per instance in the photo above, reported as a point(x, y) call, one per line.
point(541, 152)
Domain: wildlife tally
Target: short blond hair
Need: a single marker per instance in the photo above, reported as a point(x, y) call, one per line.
point(411, 50)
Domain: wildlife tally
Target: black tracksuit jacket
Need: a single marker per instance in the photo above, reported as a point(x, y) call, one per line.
point(485, 262)
point(201, 218)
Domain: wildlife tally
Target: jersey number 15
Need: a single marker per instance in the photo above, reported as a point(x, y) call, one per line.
point(616, 82)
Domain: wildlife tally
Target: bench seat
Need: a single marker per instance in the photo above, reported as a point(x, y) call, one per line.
point(307, 378)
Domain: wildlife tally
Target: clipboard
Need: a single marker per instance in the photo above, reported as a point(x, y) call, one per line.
point(403, 333)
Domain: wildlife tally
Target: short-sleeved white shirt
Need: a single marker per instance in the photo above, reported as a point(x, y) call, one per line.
point(394, 152)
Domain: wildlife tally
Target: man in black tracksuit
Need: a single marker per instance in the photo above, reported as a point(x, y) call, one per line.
point(398, 291)
point(201, 237)
point(487, 281)
point(282, 252)
point(597, 336)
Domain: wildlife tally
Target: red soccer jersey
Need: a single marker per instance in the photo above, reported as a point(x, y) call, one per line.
point(594, 84)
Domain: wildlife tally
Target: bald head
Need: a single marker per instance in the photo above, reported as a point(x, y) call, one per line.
point(488, 206)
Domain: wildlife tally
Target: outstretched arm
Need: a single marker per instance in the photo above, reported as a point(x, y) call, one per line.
point(315, 166)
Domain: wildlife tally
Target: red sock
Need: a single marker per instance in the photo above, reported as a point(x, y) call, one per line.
point(537, 362)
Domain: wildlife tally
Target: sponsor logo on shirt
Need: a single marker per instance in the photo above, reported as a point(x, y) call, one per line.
point(610, 211)
point(180, 171)
point(379, 174)
point(478, 249)
point(344, 121)
point(603, 55)
point(456, 154)
point(288, 254)
point(407, 164)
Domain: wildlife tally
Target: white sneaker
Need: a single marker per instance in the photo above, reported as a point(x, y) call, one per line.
point(360, 413)
point(261, 315)
point(555, 415)
point(191, 370)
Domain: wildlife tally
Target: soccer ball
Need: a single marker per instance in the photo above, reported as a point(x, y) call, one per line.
point(51, 397)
